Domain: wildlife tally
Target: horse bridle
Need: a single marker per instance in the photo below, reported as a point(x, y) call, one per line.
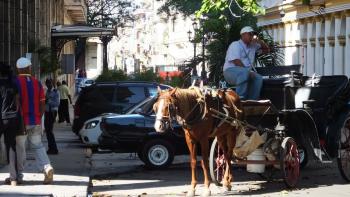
point(171, 113)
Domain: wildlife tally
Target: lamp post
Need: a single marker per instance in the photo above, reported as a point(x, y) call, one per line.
point(204, 72)
point(204, 39)
point(193, 40)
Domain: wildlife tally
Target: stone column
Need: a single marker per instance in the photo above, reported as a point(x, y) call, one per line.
point(296, 40)
point(318, 51)
point(105, 40)
point(338, 49)
point(347, 44)
point(275, 33)
point(328, 53)
point(288, 32)
point(310, 64)
point(303, 49)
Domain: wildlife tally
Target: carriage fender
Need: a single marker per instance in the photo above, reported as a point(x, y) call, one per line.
point(334, 130)
point(302, 128)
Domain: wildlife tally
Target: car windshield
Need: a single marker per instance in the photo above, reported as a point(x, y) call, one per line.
point(147, 108)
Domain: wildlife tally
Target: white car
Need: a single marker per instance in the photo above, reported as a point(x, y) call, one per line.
point(91, 129)
point(85, 83)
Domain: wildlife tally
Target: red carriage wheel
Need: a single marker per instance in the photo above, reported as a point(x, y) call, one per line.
point(217, 163)
point(290, 162)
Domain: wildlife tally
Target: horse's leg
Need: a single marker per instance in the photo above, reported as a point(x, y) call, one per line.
point(230, 144)
point(192, 149)
point(226, 181)
point(205, 165)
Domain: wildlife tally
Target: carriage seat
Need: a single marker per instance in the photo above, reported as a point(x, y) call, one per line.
point(256, 107)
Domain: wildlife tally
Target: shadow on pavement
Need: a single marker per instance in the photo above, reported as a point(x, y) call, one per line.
point(244, 183)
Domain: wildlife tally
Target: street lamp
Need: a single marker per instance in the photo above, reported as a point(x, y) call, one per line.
point(193, 40)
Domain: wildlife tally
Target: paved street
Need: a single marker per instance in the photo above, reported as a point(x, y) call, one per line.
point(71, 170)
point(124, 175)
point(316, 180)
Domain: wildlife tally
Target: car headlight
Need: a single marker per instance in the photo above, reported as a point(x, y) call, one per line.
point(92, 124)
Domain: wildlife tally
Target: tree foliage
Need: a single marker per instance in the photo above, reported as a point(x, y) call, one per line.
point(109, 13)
point(224, 20)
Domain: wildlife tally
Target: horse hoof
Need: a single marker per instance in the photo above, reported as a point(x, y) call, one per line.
point(191, 193)
point(207, 193)
point(227, 188)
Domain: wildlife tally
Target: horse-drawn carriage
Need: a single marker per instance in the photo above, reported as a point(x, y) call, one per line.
point(301, 118)
point(304, 118)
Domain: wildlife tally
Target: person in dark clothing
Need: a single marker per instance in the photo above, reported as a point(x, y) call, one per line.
point(52, 102)
point(11, 122)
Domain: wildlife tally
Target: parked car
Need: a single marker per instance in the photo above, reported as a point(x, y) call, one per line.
point(85, 83)
point(77, 84)
point(111, 97)
point(135, 133)
point(91, 130)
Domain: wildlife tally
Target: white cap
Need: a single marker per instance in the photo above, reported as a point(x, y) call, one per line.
point(247, 29)
point(23, 63)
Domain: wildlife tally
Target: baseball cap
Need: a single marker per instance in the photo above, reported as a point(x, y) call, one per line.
point(23, 63)
point(247, 29)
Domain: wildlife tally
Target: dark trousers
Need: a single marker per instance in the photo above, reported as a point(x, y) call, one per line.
point(9, 128)
point(49, 121)
point(63, 111)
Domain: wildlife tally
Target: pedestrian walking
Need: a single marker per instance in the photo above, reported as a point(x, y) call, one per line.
point(32, 107)
point(10, 121)
point(63, 109)
point(52, 102)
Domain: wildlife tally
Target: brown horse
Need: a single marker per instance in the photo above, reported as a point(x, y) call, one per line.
point(190, 107)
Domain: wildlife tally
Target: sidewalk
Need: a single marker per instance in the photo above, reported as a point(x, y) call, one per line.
point(71, 170)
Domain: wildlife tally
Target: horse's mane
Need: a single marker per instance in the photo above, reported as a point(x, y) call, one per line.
point(187, 98)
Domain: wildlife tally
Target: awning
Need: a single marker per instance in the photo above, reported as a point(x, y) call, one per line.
point(77, 31)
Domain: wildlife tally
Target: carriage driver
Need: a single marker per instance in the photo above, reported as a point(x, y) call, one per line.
point(239, 64)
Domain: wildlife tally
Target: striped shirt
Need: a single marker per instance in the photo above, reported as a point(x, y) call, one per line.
point(31, 93)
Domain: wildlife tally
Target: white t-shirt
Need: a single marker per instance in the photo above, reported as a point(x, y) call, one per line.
point(239, 50)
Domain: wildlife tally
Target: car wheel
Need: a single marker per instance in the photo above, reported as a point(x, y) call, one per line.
point(157, 154)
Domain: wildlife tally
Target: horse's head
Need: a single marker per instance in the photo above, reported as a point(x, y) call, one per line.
point(165, 110)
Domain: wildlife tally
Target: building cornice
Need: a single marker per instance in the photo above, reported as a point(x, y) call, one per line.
point(305, 15)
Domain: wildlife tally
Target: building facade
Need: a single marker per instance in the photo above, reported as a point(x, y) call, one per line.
point(315, 34)
point(154, 40)
point(25, 25)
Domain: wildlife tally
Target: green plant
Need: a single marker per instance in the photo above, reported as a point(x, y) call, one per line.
point(222, 27)
point(176, 81)
point(112, 75)
point(147, 75)
point(48, 60)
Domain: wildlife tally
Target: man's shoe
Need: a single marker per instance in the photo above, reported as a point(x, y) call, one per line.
point(48, 172)
point(20, 181)
point(8, 181)
point(52, 152)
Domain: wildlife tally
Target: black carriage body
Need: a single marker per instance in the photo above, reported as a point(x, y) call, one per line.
point(312, 109)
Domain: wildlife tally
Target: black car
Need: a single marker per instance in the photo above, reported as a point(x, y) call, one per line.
point(136, 133)
point(111, 97)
